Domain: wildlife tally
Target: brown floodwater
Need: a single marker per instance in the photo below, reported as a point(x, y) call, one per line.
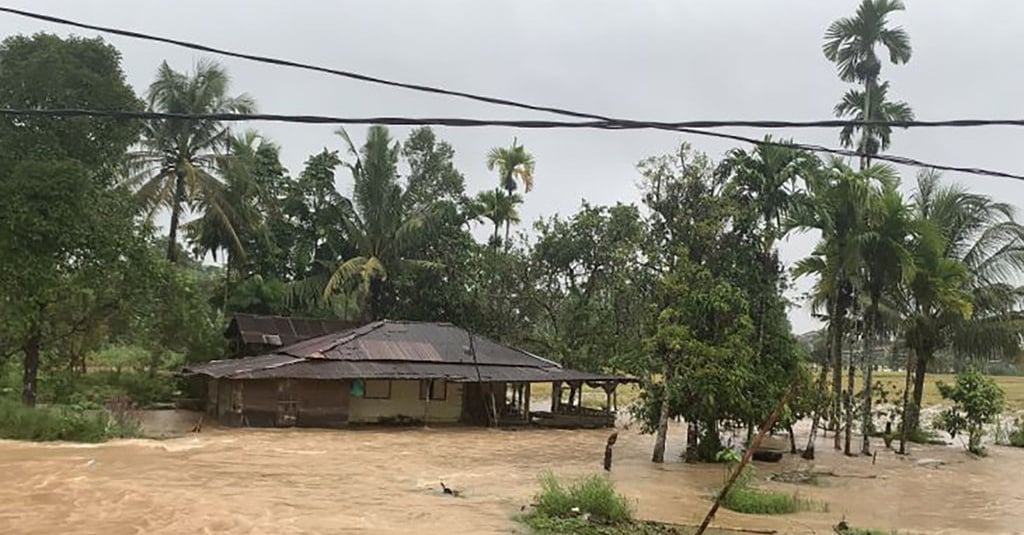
point(388, 481)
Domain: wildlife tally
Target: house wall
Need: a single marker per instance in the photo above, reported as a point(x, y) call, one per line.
point(405, 401)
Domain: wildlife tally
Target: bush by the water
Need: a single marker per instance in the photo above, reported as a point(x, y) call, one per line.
point(742, 498)
point(69, 423)
point(593, 495)
point(587, 505)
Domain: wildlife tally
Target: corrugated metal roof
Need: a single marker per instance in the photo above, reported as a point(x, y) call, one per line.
point(395, 350)
point(340, 369)
point(224, 368)
point(282, 330)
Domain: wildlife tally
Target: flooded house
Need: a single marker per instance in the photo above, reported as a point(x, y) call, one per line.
point(399, 372)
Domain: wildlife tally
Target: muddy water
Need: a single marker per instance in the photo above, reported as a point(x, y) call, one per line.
point(387, 481)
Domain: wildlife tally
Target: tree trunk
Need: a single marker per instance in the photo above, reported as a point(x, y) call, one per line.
point(904, 419)
point(31, 367)
point(692, 442)
point(920, 369)
point(792, 439)
point(867, 425)
point(851, 370)
point(836, 348)
point(865, 159)
point(508, 227)
point(176, 205)
point(819, 406)
point(227, 281)
point(659, 442)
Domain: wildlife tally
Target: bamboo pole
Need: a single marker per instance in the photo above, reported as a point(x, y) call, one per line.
point(747, 455)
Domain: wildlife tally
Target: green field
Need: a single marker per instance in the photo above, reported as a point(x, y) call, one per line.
point(1012, 385)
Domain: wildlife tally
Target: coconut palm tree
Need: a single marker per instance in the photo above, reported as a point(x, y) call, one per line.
point(852, 43)
point(236, 219)
point(978, 256)
point(514, 165)
point(376, 221)
point(177, 165)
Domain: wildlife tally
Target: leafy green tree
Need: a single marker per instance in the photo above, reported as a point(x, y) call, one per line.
point(177, 167)
point(977, 401)
point(68, 241)
point(432, 173)
point(703, 333)
point(592, 285)
point(47, 71)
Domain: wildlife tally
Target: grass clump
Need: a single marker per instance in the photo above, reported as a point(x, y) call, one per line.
point(589, 505)
point(68, 423)
point(743, 498)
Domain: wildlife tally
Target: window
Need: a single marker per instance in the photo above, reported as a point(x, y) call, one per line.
point(377, 389)
point(438, 389)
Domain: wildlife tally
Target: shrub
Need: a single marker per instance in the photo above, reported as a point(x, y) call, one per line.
point(60, 423)
point(744, 499)
point(977, 401)
point(1015, 436)
point(763, 502)
point(586, 506)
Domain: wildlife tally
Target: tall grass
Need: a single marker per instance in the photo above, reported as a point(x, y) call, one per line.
point(60, 423)
point(586, 506)
point(742, 498)
point(593, 495)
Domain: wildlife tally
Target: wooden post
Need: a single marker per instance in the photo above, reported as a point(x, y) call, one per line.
point(526, 403)
point(556, 396)
point(746, 459)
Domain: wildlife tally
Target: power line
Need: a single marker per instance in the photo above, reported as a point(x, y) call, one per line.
point(625, 123)
point(690, 127)
point(460, 122)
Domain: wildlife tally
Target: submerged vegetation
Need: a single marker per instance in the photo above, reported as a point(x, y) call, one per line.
point(587, 505)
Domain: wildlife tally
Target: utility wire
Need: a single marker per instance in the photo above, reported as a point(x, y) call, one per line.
point(691, 127)
point(459, 122)
point(618, 123)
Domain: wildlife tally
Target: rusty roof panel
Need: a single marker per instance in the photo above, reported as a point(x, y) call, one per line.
point(396, 350)
point(338, 369)
point(224, 368)
point(253, 328)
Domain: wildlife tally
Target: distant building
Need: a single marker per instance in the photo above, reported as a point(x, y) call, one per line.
point(252, 334)
point(395, 372)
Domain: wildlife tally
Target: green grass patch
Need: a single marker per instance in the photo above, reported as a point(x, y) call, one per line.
point(589, 505)
point(61, 423)
point(743, 498)
point(765, 502)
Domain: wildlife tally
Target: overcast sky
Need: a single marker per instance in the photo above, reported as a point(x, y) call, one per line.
point(658, 60)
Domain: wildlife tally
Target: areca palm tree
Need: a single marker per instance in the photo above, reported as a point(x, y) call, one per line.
point(499, 208)
point(888, 263)
point(875, 138)
point(836, 204)
point(514, 165)
point(853, 43)
point(177, 165)
point(376, 221)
